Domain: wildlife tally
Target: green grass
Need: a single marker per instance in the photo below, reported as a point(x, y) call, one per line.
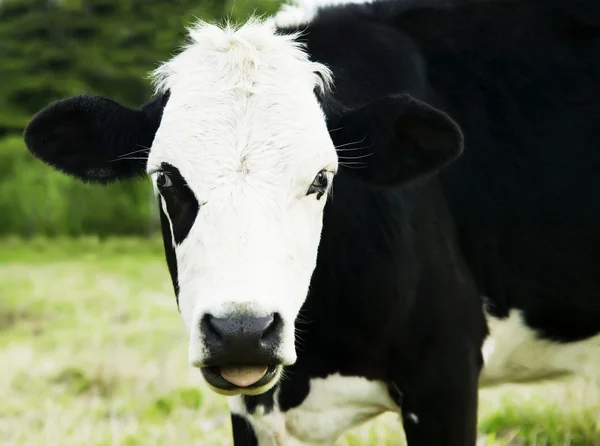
point(93, 352)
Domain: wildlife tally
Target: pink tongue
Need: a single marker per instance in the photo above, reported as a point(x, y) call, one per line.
point(243, 376)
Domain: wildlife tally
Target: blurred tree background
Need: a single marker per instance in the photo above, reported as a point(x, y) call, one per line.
point(50, 49)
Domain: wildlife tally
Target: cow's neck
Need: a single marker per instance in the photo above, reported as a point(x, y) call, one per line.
point(372, 261)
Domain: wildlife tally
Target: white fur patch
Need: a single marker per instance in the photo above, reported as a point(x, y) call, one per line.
point(302, 12)
point(513, 353)
point(245, 129)
point(334, 404)
point(239, 58)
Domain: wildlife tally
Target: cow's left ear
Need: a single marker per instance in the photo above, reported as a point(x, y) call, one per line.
point(395, 140)
point(95, 139)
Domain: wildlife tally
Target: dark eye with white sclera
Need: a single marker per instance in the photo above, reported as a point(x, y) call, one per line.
point(319, 184)
point(163, 181)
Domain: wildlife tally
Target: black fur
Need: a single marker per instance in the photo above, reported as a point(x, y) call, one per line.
point(243, 435)
point(93, 138)
point(428, 140)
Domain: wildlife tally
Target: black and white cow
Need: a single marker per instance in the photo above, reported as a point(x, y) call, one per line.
point(317, 308)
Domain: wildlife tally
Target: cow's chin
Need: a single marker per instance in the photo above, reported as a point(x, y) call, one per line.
point(220, 385)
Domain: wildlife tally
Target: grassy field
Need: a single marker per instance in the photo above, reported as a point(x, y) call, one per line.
point(93, 352)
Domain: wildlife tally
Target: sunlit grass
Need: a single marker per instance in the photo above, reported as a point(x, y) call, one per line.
point(548, 414)
point(93, 352)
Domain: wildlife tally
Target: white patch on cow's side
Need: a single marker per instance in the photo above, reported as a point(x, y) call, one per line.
point(302, 12)
point(334, 405)
point(245, 129)
point(513, 353)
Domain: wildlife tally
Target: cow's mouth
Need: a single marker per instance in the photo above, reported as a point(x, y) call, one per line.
point(233, 380)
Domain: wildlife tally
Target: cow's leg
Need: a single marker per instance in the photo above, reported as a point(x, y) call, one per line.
point(439, 405)
point(243, 434)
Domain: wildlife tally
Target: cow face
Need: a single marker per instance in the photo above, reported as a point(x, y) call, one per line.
point(242, 162)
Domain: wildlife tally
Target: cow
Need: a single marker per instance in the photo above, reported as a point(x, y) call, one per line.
point(369, 207)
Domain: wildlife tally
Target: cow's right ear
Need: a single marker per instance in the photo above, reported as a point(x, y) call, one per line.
point(94, 138)
point(395, 140)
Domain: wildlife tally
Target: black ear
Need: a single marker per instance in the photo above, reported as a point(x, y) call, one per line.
point(85, 136)
point(395, 140)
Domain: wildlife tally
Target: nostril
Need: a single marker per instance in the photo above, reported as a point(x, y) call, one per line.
point(210, 330)
point(273, 330)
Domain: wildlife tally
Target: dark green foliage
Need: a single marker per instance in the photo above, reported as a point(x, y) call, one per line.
point(35, 199)
point(50, 49)
point(54, 48)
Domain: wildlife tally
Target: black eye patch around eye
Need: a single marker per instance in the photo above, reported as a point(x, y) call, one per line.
point(182, 205)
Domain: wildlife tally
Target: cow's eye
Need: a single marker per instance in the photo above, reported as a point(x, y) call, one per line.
point(319, 184)
point(163, 181)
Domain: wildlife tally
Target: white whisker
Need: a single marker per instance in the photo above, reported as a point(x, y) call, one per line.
point(354, 165)
point(145, 149)
point(351, 143)
point(356, 157)
point(354, 149)
point(131, 158)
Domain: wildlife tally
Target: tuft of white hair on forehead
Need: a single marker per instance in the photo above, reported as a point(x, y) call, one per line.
point(239, 53)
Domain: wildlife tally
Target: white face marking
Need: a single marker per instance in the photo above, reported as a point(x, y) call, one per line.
point(163, 206)
point(246, 132)
point(512, 353)
point(334, 405)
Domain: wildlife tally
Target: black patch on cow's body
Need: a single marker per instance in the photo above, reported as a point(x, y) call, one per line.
point(293, 389)
point(267, 400)
point(243, 434)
